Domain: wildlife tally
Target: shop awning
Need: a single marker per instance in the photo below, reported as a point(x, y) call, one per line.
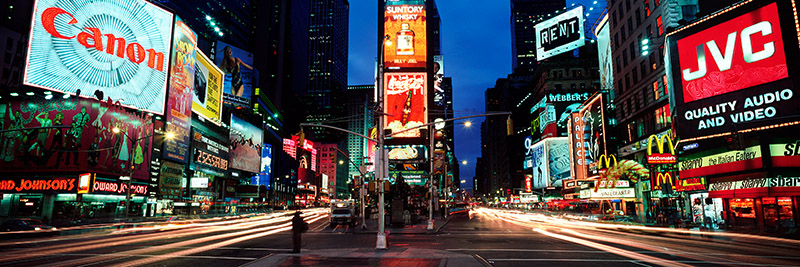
point(756, 192)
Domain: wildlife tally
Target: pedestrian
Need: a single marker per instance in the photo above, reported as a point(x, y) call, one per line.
point(298, 227)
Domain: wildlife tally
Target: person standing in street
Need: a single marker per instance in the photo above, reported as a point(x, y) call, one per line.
point(298, 228)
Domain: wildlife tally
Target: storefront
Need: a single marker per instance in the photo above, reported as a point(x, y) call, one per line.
point(617, 200)
point(769, 202)
point(208, 168)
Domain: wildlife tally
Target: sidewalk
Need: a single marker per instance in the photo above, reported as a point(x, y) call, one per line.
point(369, 257)
point(408, 229)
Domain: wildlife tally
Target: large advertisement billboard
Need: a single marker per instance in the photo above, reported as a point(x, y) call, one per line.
point(730, 70)
point(207, 99)
point(181, 84)
point(559, 160)
point(405, 24)
point(84, 140)
point(541, 172)
point(264, 176)
point(406, 102)
point(118, 47)
point(604, 54)
point(438, 79)
point(240, 76)
point(245, 145)
point(560, 34)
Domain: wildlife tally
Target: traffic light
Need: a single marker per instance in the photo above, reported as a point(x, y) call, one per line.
point(645, 46)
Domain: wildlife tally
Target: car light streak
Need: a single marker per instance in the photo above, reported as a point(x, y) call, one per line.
point(620, 252)
point(185, 230)
point(253, 233)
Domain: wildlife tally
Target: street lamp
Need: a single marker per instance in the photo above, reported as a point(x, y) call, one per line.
point(133, 141)
point(381, 241)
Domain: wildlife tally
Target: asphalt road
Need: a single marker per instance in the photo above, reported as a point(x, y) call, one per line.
point(496, 237)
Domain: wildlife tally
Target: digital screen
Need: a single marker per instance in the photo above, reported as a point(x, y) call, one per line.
point(240, 76)
point(207, 99)
point(405, 24)
point(246, 140)
point(406, 103)
point(560, 34)
point(119, 47)
point(264, 176)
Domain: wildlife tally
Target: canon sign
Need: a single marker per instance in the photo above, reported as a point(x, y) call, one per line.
point(744, 52)
point(119, 47)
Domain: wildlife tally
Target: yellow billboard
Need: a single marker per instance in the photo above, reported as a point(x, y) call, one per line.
point(207, 99)
point(406, 27)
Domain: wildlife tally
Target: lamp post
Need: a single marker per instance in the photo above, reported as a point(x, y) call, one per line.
point(130, 177)
point(381, 241)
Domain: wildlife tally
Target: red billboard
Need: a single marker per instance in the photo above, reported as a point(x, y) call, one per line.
point(730, 70)
point(406, 103)
point(81, 139)
point(739, 53)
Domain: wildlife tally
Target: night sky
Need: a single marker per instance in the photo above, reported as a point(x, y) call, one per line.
point(476, 43)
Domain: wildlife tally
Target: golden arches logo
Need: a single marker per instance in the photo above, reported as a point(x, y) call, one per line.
point(660, 142)
point(663, 178)
point(608, 159)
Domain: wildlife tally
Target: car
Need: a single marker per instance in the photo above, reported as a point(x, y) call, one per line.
point(342, 216)
point(17, 225)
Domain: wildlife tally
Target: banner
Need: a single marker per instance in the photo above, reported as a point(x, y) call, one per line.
point(118, 47)
point(39, 185)
point(181, 84)
point(756, 183)
point(559, 160)
point(207, 100)
point(405, 24)
point(785, 154)
point(539, 165)
point(604, 54)
point(438, 79)
point(85, 143)
point(240, 76)
point(609, 193)
point(406, 102)
point(246, 140)
point(729, 161)
point(264, 176)
point(171, 180)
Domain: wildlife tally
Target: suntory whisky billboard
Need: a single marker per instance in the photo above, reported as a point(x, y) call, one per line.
point(406, 102)
point(405, 24)
point(119, 47)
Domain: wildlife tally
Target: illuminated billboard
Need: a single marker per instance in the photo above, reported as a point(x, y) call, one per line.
point(558, 159)
point(539, 165)
point(181, 84)
point(405, 24)
point(604, 54)
point(406, 102)
point(240, 76)
point(438, 79)
point(85, 141)
point(264, 176)
point(119, 47)
point(207, 99)
point(730, 71)
point(245, 145)
point(560, 34)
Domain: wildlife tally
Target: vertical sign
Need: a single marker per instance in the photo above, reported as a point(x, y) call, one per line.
point(181, 85)
point(405, 24)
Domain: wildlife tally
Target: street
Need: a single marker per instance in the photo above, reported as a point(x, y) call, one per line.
point(486, 236)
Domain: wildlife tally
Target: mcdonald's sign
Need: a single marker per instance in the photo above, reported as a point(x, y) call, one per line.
point(608, 160)
point(664, 178)
point(660, 157)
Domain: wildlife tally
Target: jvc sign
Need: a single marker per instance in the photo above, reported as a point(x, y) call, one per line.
point(731, 72)
point(560, 34)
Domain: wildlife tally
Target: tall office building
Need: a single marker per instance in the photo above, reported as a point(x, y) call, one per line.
point(359, 105)
point(524, 16)
point(327, 63)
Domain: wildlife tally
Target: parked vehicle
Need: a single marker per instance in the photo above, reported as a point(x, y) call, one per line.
point(343, 216)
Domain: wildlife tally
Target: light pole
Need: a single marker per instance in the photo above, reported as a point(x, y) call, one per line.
point(381, 241)
point(133, 141)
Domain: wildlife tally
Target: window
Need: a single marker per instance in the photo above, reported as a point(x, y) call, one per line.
point(638, 17)
point(632, 50)
point(643, 67)
point(630, 25)
point(660, 26)
point(656, 93)
point(657, 2)
point(619, 64)
point(635, 75)
point(653, 61)
point(649, 31)
point(666, 88)
point(646, 8)
point(622, 31)
point(624, 58)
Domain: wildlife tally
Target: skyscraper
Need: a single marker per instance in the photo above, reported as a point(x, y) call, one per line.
point(524, 16)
